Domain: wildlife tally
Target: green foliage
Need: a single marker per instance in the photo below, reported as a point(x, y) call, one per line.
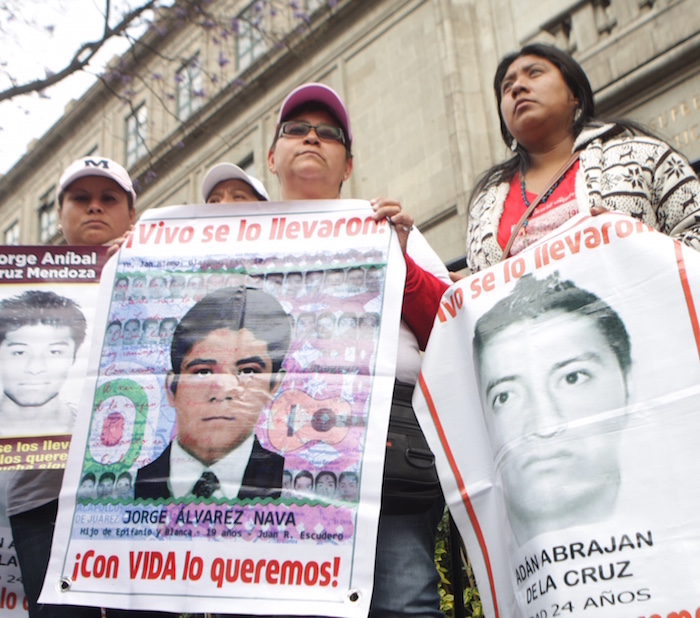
point(443, 563)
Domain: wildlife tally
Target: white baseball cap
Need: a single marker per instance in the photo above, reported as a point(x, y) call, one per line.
point(97, 166)
point(229, 171)
point(321, 94)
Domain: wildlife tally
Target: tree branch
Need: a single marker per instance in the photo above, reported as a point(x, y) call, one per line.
point(83, 56)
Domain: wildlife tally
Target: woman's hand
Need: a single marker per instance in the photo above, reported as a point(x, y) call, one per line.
point(116, 243)
point(385, 208)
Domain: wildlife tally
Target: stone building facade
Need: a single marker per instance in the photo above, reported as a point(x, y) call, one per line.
point(416, 76)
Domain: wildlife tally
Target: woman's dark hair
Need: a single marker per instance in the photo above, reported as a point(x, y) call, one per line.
point(576, 79)
point(570, 70)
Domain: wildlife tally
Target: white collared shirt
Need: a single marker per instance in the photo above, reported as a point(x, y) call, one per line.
point(185, 470)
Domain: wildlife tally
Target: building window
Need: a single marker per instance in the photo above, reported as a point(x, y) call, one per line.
point(136, 131)
point(12, 234)
point(48, 216)
point(313, 5)
point(189, 88)
point(250, 43)
point(248, 165)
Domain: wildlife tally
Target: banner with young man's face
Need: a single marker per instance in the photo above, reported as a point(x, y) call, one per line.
point(235, 420)
point(566, 448)
point(48, 297)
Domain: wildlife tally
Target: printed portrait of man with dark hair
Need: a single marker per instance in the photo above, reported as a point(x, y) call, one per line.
point(549, 358)
point(226, 355)
point(40, 334)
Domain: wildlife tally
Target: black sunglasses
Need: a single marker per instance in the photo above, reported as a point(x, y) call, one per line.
point(299, 128)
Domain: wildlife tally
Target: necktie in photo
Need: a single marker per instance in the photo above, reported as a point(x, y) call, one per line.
point(206, 485)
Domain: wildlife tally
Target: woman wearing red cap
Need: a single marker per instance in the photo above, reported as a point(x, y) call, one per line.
point(311, 156)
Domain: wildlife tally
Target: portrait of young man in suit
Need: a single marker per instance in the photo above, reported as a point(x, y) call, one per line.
point(227, 354)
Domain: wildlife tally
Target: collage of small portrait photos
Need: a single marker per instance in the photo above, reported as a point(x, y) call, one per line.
point(323, 485)
point(106, 485)
point(332, 304)
point(318, 415)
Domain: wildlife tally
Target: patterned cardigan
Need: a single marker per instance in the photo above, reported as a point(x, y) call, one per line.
point(638, 175)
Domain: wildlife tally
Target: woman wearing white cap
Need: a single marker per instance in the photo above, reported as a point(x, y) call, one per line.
point(96, 201)
point(226, 183)
point(96, 206)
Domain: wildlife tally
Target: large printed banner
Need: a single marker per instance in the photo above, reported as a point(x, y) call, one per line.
point(47, 306)
point(232, 432)
point(567, 448)
point(12, 599)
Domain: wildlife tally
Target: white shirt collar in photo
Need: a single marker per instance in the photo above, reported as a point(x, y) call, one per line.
point(185, 470)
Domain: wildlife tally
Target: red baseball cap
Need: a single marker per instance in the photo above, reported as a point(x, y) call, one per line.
point(321, 94)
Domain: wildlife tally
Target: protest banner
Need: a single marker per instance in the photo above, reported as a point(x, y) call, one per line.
point(565, 427)
point(12, 599)
point(235, 434)
point(47, 305)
